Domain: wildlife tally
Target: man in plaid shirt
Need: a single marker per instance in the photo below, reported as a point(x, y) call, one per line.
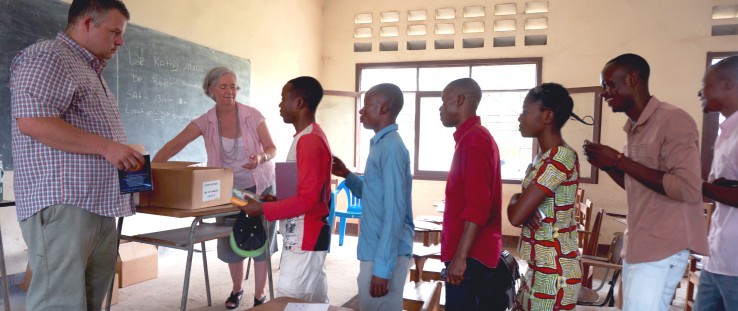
point(68, 142)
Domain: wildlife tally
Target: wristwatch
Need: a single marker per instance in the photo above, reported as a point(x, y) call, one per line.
point(265, 158)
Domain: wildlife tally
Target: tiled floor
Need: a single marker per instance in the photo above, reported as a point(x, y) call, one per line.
point(164, 292)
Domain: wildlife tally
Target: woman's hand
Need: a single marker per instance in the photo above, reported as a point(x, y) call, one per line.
point(254, 160)
point(514, 198)
point(534, 222)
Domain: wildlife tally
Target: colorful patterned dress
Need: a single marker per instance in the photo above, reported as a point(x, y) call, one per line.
point(553, 277)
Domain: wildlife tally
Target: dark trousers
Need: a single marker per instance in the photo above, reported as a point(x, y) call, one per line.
point(476, 291)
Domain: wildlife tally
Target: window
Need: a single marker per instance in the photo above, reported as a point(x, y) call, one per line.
point(504, 83)
point(711, 121)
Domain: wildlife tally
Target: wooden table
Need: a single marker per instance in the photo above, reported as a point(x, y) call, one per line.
point(3, 272)
point(279, 303)
point(185, 238)
point(427, 230)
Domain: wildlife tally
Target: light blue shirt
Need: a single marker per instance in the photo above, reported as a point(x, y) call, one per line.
point(387, 215)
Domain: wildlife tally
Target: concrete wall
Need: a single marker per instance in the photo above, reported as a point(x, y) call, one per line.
point(673, 35)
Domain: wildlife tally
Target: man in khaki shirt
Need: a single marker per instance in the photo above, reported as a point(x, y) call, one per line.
point(660, 170)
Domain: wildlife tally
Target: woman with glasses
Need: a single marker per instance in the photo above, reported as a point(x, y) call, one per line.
point(236, 137)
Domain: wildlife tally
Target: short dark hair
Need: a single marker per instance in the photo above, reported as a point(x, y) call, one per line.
point(468, 86)
point(555, 97)
point(634, 63)
point(392, 94)
point(727, 67)
point(309, 89)
point(97, 9)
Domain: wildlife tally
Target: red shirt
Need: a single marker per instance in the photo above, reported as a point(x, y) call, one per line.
point(474, 194)
point(304, 217)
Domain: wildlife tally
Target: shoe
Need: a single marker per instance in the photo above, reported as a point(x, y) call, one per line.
point(260, 301)
point(234, 300)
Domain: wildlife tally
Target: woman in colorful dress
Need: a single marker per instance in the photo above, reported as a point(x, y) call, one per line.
point(545, 208)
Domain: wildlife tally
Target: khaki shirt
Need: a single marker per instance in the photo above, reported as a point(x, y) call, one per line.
point(665, 138)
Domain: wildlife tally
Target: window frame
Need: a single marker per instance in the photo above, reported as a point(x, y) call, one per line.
point(438, 175)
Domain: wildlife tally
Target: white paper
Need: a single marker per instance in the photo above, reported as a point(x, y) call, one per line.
point(210, 190)
point(293, 306)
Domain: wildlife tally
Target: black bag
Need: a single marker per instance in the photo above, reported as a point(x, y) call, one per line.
point(248, 238)
point(506, 277)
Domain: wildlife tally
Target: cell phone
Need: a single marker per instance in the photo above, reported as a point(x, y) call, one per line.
point(540, 212)
point(443, 274)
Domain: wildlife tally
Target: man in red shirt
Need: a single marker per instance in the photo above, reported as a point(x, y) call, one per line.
point(303, 217)
point(471, 236)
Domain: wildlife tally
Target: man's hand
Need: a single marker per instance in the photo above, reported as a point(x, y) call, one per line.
point(339, 169)
point(378, 287)
point(600, 156)
point(455, 271)
point(253, 208)
point(122, 156)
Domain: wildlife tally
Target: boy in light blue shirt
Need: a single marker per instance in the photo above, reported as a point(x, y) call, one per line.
point(386, 236)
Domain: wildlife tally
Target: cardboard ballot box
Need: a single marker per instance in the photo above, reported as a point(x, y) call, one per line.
point(179, 185)
point(137, 262)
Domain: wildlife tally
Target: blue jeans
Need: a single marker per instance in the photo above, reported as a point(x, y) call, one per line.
point(651, 285)
point(476, 290)
point(717, 292)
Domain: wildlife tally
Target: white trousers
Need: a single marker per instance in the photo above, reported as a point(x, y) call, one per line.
point(302, 275)
point(393, 299)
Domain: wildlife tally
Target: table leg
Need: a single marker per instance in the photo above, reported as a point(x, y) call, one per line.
point(117, 250)
point(188, 269)
point(207, 277)
point(269, 258)
point(4, 275)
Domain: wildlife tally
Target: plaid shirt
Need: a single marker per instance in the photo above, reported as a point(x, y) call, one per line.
point(59, 78)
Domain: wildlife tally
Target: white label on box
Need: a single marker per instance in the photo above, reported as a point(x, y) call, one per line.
point(210, 190)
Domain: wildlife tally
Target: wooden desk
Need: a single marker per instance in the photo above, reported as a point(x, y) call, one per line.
point(3, 272)
point(279, 303)
point(428, 230)
point(185, 238)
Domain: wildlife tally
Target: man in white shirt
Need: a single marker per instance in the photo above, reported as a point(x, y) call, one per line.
point(718, 289)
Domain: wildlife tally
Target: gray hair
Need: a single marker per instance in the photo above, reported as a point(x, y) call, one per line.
point(213, 76)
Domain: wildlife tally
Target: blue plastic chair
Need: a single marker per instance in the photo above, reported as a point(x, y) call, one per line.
point(353, 210)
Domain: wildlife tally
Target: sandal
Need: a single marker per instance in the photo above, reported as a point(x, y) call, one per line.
point(260, 301)
point(234, 300)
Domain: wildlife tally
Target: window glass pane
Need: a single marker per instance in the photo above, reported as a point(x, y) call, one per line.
point(406, 128)
point(499, 112)
point(405, 78)
point(436, 148)
point(715, 60)
point(505, 77)
point(435, 79)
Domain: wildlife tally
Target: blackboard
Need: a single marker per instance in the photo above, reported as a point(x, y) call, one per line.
point(157, 77)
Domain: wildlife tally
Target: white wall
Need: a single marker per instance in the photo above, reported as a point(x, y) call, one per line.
point(673, 35)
